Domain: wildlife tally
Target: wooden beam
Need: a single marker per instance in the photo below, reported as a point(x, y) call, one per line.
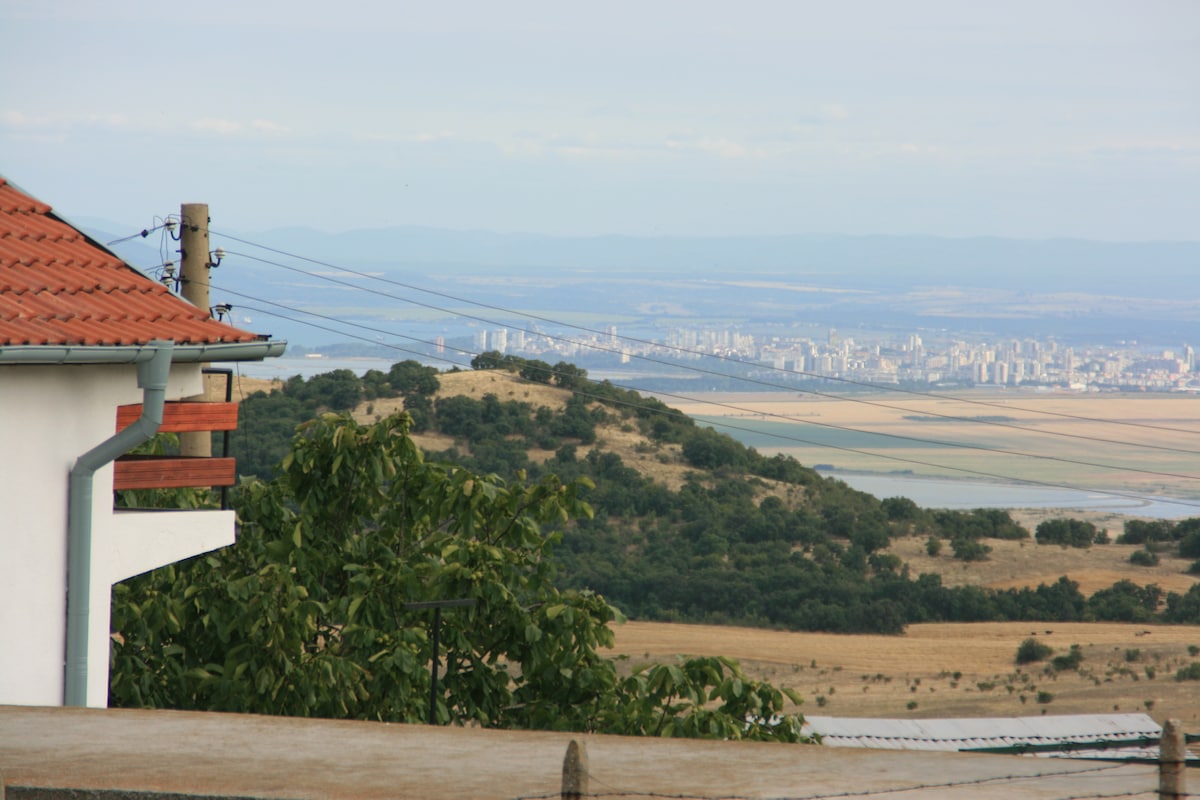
point(172, 472)
point(181, 416)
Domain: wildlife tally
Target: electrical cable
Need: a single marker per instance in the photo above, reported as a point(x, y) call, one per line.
point(729, 426)
point(142, 234)
point(688, 351)
point(745, 379)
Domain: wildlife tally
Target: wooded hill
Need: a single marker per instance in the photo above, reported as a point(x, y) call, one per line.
point(689, 524)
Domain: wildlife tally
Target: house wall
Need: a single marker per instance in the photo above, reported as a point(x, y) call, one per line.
point(50, 416)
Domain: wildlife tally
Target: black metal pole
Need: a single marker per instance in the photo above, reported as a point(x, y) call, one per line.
point(433, 669)
point(437, 606)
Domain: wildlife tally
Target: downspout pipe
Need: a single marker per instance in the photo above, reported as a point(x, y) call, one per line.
point(152, 380)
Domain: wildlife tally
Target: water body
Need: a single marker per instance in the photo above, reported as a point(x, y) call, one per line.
point(284, 368)
point(955, 494)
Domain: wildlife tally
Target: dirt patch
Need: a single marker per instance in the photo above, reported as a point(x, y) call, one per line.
point(240, 385)
point(505, 385)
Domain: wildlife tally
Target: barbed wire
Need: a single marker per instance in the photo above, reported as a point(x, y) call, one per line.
point(1083, 773)
point(1138, 793)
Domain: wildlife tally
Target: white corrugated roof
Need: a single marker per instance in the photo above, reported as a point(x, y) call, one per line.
point(976, 733)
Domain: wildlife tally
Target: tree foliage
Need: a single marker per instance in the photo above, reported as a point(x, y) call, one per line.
point(308, 614)
point(747, 539)
point(1067, 532)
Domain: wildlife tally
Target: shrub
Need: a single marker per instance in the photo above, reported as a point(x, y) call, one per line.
point(933, 545)
point(1139, 531)
point(1032, 650)
point(1143, 558)
point(1070, 660)
point(1044, 697)
point(1189, 545)
point(1189, 673)
point(969, 549)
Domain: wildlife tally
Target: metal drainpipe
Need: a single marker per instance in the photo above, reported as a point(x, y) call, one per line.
point(152, 380)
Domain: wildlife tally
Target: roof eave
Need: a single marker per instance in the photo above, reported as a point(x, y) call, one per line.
point(133, 354)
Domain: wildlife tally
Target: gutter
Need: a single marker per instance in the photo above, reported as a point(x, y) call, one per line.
point(153, 368)
point(137, 354)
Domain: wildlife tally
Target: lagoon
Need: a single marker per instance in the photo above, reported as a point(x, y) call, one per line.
point(958, 494)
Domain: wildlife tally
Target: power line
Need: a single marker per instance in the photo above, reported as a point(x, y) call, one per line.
point(142, 234)
point(702, 371)
point(688, 351)
point(725, 425)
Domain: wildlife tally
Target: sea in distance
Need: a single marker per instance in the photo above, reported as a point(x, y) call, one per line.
point(925, 492)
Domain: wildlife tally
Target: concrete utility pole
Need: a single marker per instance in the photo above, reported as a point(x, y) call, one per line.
point(193, 271)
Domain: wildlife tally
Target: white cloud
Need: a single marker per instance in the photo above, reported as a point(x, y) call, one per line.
point(424, 137)
point(586, 151)
point(223, 127)
point(833, 113)
point(720, 146)
point(16, 119)
point(709, 145)
point(265, 126)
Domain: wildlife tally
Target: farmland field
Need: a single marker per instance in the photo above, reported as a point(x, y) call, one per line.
point(951, 669)
point(1143, 443)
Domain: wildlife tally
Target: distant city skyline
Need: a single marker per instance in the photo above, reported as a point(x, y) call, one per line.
point(1025, 119)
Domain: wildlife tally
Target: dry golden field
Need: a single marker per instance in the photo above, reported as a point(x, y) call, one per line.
point(950, 669)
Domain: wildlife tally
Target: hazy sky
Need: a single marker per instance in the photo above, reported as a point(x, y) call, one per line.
point(1028, 119)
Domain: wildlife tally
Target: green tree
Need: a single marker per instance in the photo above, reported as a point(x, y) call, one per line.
point(308, 614)
point(339, 390)
point(569, 376)
point(411, 377)
point(491, 359)
point(707, 449)
point(1066, 532)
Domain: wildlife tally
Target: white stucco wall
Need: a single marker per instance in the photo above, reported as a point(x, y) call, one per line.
point(49, 416)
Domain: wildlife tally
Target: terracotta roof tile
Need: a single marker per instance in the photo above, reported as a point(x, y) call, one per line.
point(58, 287)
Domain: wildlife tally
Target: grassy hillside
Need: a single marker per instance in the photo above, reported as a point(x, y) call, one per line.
point(1011, 564)
point(693, 526)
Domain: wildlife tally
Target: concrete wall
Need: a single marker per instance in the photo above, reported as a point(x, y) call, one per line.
point(49, 416)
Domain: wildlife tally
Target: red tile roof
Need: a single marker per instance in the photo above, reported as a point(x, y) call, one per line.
point(58, 287)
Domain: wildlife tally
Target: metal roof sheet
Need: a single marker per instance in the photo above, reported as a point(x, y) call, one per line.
point(992, 732)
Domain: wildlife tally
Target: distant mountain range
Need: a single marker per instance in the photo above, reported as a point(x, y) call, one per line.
point(1059, 287)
